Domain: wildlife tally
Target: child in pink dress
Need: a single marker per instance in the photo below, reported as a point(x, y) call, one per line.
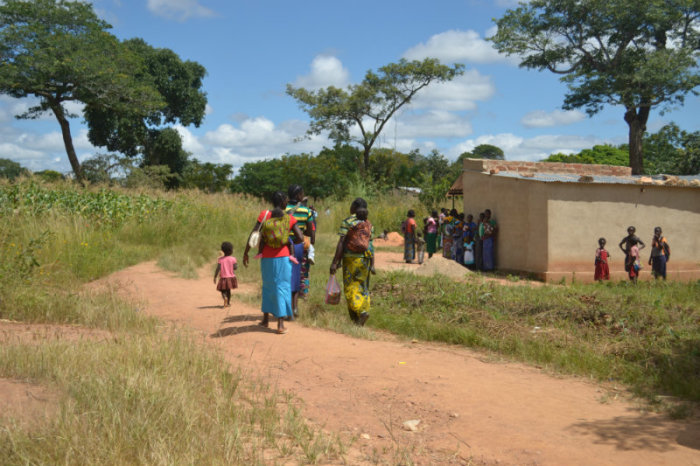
point(226, 266)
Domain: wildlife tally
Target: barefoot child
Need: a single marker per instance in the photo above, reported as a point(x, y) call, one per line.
point(225, 267)
point(602, 269)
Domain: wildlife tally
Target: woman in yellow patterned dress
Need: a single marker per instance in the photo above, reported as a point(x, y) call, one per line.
point(357, 266)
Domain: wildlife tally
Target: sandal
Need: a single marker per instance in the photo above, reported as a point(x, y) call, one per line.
point(282, 331)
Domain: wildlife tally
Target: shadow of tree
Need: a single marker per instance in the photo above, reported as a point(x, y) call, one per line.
point(643, 432)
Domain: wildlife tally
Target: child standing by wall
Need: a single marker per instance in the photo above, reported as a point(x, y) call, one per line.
point(632, 264)
point(226, 266)
point(660, 254)
point(602, 270)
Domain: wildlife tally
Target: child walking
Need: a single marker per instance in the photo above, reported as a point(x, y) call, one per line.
point(225, 267)
point(602, 269)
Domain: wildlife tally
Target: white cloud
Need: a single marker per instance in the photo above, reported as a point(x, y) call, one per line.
point(326, 70)
point(18, 153)
point(458, 94)
point(532, 149)
point(456, 46)
point(251, 139)
point(179, 10)
point(542, 119)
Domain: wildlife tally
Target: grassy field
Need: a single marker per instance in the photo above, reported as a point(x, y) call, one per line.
point(644, 337)
point(138, 397)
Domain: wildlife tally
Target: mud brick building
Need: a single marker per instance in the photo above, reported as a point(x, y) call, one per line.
point(550, 215)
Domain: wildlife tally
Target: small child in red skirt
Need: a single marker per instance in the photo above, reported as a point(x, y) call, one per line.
point(602, 269)
point(226, 266)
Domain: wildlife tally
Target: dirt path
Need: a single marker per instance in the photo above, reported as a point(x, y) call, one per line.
point(471, 410)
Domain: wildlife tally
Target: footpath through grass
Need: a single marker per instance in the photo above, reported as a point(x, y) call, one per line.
point(143, 395)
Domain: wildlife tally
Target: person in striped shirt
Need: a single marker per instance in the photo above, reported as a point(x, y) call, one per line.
point(305, 220)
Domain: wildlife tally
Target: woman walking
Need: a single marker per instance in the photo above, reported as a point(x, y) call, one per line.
point(431, 233)
point(357, 265)
point(275, 227)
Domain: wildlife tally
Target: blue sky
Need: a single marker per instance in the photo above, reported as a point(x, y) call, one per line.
point(252, 49)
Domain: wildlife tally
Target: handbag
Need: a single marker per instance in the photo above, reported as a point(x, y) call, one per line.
point(254, 239)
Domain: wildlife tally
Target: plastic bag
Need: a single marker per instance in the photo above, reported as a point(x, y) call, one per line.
point(332, 291)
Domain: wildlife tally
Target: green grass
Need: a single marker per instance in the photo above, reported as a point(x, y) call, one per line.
point(150, 400)
point(169, 400)
point(141, 395)
point(646, 336)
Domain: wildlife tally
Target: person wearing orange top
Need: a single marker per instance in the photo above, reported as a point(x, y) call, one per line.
point(408, 229)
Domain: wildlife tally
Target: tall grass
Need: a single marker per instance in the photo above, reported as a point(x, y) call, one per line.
point(136, 397)
point(150, 400)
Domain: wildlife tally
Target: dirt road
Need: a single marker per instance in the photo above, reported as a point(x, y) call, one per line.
point(471, 410)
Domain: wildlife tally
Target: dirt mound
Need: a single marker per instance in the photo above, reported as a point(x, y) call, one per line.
point(443, 266)
point(392, 239)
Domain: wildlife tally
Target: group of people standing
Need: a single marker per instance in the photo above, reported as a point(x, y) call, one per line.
point(631, 245)
point(468, 242)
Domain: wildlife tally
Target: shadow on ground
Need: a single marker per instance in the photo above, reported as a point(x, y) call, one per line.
point(641, 433)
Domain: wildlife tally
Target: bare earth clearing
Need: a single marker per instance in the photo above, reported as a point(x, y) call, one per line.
point(472, 410)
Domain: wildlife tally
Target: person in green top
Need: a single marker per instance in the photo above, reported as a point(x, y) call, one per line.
point(305, 221)
point(357, 266)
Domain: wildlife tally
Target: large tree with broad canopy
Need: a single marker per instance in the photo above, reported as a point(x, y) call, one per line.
point(59, 51)
point(369, 105)
point(638, 54)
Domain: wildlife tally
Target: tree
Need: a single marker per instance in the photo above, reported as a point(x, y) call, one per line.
point(635, 53)
point(209, 177)
point(164, 147)
point(487, 151)
point(368, 106)
point(11, 170)
point(60, 51)
point(135, 130)
point(673, 151)
point(437, 166)
point(600, 154)
point(101, 168)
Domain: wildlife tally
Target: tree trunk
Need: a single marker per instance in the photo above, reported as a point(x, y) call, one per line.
point(365, 158)
point(637, 122)
point(67, 139)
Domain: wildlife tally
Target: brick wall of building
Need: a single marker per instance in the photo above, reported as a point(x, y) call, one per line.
point(485, 165)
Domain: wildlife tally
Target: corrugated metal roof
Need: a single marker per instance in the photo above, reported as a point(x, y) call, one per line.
point(600, 179)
